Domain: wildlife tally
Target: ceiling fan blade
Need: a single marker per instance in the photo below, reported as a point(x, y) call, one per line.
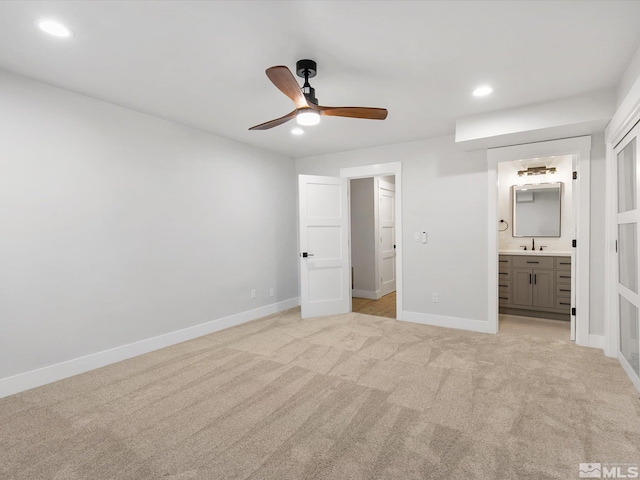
point(276, 122)
point(282, 78)
point(355, 112)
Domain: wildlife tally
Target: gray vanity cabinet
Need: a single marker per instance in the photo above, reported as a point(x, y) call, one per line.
point(543, 288)
point(535, 285)
point(522, 287)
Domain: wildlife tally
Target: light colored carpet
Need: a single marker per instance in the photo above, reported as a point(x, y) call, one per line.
point(346, 397)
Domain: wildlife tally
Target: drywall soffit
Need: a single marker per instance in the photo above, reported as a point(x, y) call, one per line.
point(536, 123)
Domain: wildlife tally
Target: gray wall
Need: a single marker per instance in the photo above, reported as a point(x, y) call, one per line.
point(117, 226)
point(445, 194)
point(597, 279)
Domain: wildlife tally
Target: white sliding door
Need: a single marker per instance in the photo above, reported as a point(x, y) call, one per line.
point(628, 220)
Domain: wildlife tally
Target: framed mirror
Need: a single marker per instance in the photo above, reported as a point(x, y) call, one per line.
point(537, 210)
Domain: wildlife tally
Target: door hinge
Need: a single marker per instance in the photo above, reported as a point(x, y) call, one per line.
point(575, 175)
point(573, 311)
point(574, 243)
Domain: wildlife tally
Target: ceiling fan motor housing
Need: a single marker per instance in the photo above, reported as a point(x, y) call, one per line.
point(307, 69)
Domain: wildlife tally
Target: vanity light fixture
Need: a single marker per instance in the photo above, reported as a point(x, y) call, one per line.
point(536, 171)
point(54, 28)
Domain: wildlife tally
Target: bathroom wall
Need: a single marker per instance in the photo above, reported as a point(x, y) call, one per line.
point(508, 176)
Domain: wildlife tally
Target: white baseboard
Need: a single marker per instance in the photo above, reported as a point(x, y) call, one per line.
point(448, 322)
point(627, 368)
point(370, 294)
point(597, 341)
point(69, 368)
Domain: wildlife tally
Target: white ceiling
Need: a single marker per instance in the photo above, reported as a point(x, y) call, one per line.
point(201, 63)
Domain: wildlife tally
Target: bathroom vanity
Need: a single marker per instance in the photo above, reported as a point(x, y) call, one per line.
point(535, 284)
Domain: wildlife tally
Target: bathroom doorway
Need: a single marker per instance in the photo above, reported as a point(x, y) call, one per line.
point(540, 281)
point(535, 234)
point(373, 245)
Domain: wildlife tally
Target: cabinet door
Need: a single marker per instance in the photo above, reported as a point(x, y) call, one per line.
point(521, 285)
point(543, 288)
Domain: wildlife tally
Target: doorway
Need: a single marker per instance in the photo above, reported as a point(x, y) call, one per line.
point(535, 233)
point(391, 169)
point(324, 237)
point(373, 245)
point(579, 148)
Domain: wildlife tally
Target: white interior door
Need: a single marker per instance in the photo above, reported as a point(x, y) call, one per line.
point(628, 220)
point(324, 246)
point(387, 234)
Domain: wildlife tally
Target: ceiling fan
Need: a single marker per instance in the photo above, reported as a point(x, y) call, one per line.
point(307, 111)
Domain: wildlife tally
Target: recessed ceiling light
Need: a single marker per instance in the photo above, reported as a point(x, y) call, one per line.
point(54, 28)
point(297, 131)
point(482, 91)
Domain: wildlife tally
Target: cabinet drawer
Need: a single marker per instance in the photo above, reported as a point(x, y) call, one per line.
point(563, 277)
point(530, 261)
point(504, 275)
point(504, 261)
point(563, 263)
point(504, 298)
point(564, 303)
point(504, 286)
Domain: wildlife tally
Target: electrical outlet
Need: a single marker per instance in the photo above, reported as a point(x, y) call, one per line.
point(271, 292)
point(435, 298)
point(253, 293)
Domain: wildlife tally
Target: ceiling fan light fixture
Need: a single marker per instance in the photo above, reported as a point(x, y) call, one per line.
point(308, 118)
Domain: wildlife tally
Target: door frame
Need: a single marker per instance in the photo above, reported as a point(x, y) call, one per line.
point(580, 148)
point(376, 170)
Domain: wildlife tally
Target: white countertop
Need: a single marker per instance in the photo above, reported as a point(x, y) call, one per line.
point(543, 253)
